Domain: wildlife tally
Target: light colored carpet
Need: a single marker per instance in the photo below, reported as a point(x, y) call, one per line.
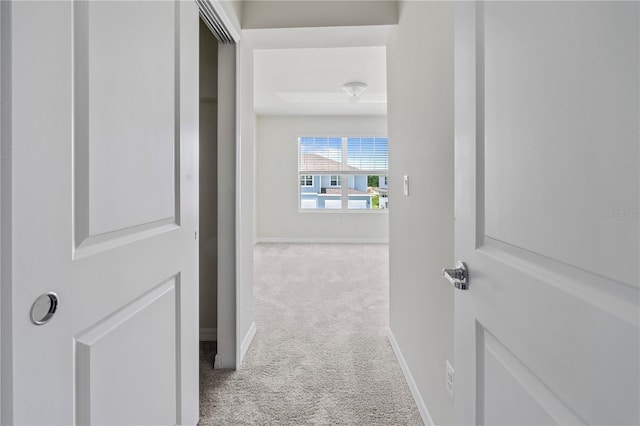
point(321, 354)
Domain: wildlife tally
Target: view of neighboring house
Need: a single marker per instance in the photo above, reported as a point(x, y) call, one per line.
point(325, 192)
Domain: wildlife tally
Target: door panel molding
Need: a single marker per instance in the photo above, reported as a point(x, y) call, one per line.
point(93, 226)
point(479, 112)
point(535, 132)
point(102, 242)
point(617, 298)
point(93, 350)
point(553, 343)
point(491, 354)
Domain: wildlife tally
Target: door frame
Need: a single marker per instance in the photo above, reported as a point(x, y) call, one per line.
point(229, 306)
point(252, 40)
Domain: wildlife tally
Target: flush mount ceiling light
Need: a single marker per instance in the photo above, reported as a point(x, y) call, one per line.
point(355, 88)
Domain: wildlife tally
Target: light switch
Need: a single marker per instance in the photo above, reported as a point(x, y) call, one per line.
point(449, 375)
point(406, 184)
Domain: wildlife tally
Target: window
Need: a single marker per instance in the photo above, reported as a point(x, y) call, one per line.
point(361, 183)
point(306, 180)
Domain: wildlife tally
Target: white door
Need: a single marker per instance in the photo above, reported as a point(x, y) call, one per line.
point(102, 146)
point(547, 198)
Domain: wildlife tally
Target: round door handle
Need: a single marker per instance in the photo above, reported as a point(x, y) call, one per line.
point(43, 308)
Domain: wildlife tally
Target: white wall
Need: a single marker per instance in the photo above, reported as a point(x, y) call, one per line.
point(226, 322)
point(421, 225)
point(314, 13)
point(278, 217)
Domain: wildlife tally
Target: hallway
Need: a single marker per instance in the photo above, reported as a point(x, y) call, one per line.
point(321, 353)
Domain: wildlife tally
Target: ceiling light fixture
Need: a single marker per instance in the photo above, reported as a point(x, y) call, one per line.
point(355, 88)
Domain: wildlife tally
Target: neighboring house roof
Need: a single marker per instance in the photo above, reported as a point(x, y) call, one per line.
point(318, 163)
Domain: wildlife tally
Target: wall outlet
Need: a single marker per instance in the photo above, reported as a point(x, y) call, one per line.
point(405, 181)
point(448, 378)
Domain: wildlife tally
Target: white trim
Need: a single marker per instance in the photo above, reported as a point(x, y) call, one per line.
point(422, 407)
point(208, 334)
point(320, 240)
point(217, 362)
point(215, 12)
point(239, 208)
point(246, 342)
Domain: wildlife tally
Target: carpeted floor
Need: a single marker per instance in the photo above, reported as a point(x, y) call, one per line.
point(321, 354)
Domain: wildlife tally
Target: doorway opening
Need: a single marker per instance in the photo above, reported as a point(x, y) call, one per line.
point(208, 190)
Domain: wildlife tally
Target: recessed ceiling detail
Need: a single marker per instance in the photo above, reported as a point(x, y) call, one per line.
point(310, 81)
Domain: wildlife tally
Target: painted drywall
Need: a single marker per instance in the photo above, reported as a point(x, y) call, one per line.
point(317, 13)
point(320, 37)
point(421, 225)
point(245, 205)
point(226, 323)
point(208, 240)
point(277, 213)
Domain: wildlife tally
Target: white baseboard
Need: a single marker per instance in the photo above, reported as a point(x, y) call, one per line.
point(321, 240)
point(208, 334)
point(246, 342)
point(422, 407)
point(217, 362)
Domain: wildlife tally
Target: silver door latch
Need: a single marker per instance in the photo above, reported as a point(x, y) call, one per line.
point(458, 277)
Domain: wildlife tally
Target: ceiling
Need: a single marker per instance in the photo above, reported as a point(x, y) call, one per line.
point(308, 81)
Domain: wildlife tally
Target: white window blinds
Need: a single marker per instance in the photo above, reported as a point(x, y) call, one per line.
point(347, 155)
point(320, 154)
point(368, 154)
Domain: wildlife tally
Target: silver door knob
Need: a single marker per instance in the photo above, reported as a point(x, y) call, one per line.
point(458, 277)
point(43, 308)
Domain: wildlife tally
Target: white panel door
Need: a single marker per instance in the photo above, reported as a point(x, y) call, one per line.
point(547, 199)
point(103, 209)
